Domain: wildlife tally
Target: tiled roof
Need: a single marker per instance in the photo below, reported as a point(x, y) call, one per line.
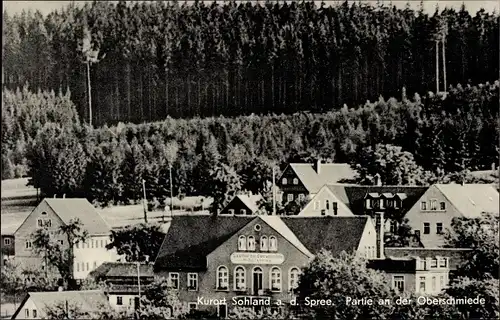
point(329, 173)
point(353, 195)
point(88, 301)
point(191, 239)
point(336, 234)
point(471, 199)
point(75, 208)
point(456, 255)
point(121, 269)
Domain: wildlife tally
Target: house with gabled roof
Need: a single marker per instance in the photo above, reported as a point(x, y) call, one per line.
point(349, 200)
point(303, 180)
point(52, 213)
point(88, 303)
point(433, 213)
point(242, 204)
point(252, 259)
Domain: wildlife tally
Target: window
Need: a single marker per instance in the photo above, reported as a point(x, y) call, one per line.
point(77, 267)
point(381, 203)
point(6, 241)
point(327, 205)
point(323, 212)
point(39, 223)
point(263, 243)
point(295, 181)
point(48, 223)
point(87, 266)
point(257, 227)
point(398, 283)
point(95, 265)
point(394, 226)
point(251, 243)
point(61, 242)
point(434, 263)
point(433, 283)
point(422, 284)
point(173, 280)
point(433, 205)
point(275, 279)
point(390, 203)
point(44, 213)
point(442, 206)
point(34, 313)
point(427, 228)
point(231, 211)
point(242, 243)
point(368, 203)
point(77, 245)
point(376, 203)
point(222, 278)
point(92, 243)
point(289, 197)
point(119, 300)
point(284, 181)
point(293, 278)
point(192, 306)
point(273, 244)
point(301, 197)
point(28, 244)
point(102, 243)
point(317, 204)
point(443, 263)
point(192, 280)
point(27, 313)
point(439, 228)
point(423, 205)
point(335, 208)
point(239, 278)
point(243, 211)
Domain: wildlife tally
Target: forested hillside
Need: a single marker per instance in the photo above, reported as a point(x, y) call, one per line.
point(210, 156)
point(165, 58)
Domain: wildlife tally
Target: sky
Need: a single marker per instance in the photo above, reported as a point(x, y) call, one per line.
point(46, 7)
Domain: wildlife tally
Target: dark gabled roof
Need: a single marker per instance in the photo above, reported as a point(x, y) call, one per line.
point(335, 234)
point(353, 196)
point(329, 173)
point(456, 255)
point(121, 269)
point(191, 238)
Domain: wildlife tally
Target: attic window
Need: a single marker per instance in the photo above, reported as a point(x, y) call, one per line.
point(257, 227)
point(44, 213)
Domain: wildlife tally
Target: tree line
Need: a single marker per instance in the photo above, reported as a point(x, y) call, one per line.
point(159, 59)
point(218, 156)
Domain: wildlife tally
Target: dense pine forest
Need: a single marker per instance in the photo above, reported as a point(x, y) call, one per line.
point(160, 59)
point(43, 138)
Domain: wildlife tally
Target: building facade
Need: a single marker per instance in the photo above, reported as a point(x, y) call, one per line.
point(51, 214)
point(423, 276)
point(7, 248)
point(433, 213)
point(245, 261)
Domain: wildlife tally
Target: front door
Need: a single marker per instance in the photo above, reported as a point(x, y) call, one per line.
point(257, 280)
point(222, 311)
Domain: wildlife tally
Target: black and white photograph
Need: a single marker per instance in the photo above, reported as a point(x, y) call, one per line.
point(207, 159)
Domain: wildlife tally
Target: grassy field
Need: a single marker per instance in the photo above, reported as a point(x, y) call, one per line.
point(18, 200)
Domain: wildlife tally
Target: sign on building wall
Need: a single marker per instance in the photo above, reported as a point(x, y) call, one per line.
point(257, 258)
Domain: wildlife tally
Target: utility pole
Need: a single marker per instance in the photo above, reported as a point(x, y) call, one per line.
point(145, 201)
point(90, 92)
point(139, 283)
point(274, 191)
point(171, 191)
point(437, 66)
point(444, 64)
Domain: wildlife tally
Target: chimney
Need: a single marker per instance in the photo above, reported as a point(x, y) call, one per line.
point(64, 196)
point(377, 180)
point(318, 166)
point(60, 288)
point(379, 228)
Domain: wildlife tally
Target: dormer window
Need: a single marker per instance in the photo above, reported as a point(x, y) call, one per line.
point(295, 181)
point(284, 181)
point(231, 211)
point(368, 203)
point(376, 203)
point(242, 243)
point(390, 203)
point(381, 203)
